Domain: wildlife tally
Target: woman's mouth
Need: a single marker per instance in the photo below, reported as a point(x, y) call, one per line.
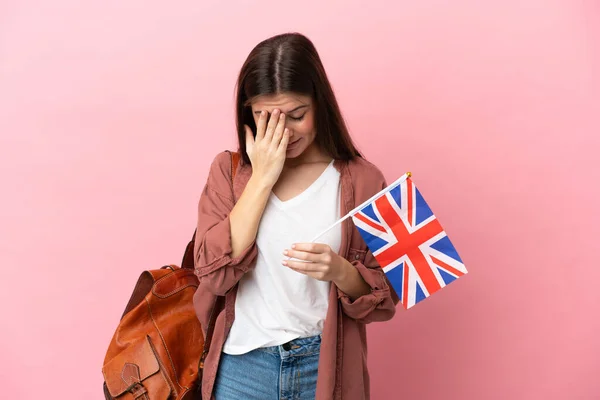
point(292, 145)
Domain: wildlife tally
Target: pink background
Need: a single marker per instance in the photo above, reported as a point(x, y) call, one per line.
point(111, 111)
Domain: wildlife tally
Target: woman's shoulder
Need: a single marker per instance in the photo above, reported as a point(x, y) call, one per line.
point(220, 163)
point(220, 171)
point(364, 170)
point(367, 179)
point(223, 158)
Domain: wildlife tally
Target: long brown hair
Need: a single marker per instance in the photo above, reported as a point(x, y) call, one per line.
point(290, 63)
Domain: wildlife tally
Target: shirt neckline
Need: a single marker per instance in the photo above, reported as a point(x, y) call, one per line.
point(301, 196)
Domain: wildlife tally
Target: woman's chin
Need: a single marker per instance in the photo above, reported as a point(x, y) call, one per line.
point(291, 156)
point(293, 153)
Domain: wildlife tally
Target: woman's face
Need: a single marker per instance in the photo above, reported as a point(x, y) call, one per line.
point(299, 118)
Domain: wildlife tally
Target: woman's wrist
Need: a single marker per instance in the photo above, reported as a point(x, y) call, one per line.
point(343, 272)
point(349, 281)
point(260, 185)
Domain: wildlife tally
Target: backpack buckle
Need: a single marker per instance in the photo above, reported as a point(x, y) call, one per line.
point(137, 390)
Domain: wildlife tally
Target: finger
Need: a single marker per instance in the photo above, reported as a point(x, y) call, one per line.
point(261, 124)
point(278, 132)
point(284, 141)
point(303, 255)
point(312, 247)
point(249, 138)
point(305, 267)
point(273, 121)
point(301, 271)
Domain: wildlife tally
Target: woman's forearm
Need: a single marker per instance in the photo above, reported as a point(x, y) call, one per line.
point(246, 214)
point(351, 282)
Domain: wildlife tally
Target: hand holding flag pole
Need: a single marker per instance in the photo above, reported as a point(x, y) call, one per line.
point(407, 240)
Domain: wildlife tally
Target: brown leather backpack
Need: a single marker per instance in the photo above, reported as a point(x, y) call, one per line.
point(158, 349)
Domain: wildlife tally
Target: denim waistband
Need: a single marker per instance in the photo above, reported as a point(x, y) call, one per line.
point(298, 347)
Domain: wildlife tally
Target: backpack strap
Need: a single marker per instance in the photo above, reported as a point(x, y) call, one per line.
point(235, 162)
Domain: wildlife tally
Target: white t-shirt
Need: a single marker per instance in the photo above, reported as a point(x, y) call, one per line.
point(274, 303)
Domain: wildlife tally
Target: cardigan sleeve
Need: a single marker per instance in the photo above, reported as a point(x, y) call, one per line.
point(214, 266)
point(380, 303)
point(377, 305)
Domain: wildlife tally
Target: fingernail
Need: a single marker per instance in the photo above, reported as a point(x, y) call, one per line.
point(285, 252)
point(284, 263)
point(263, 113)
point(293, 246)
point(282, 116)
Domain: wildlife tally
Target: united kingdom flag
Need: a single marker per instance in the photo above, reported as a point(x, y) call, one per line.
point(409, 243)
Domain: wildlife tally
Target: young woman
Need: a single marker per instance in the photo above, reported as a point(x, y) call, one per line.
point(293, 321)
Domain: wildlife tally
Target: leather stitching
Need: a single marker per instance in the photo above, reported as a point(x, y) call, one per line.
point(176, 290)
point(166, 349)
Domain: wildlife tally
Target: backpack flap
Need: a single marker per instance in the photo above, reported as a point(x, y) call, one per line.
point(136, 371)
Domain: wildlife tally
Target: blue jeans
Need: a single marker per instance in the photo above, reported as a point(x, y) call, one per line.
point(281, 372)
